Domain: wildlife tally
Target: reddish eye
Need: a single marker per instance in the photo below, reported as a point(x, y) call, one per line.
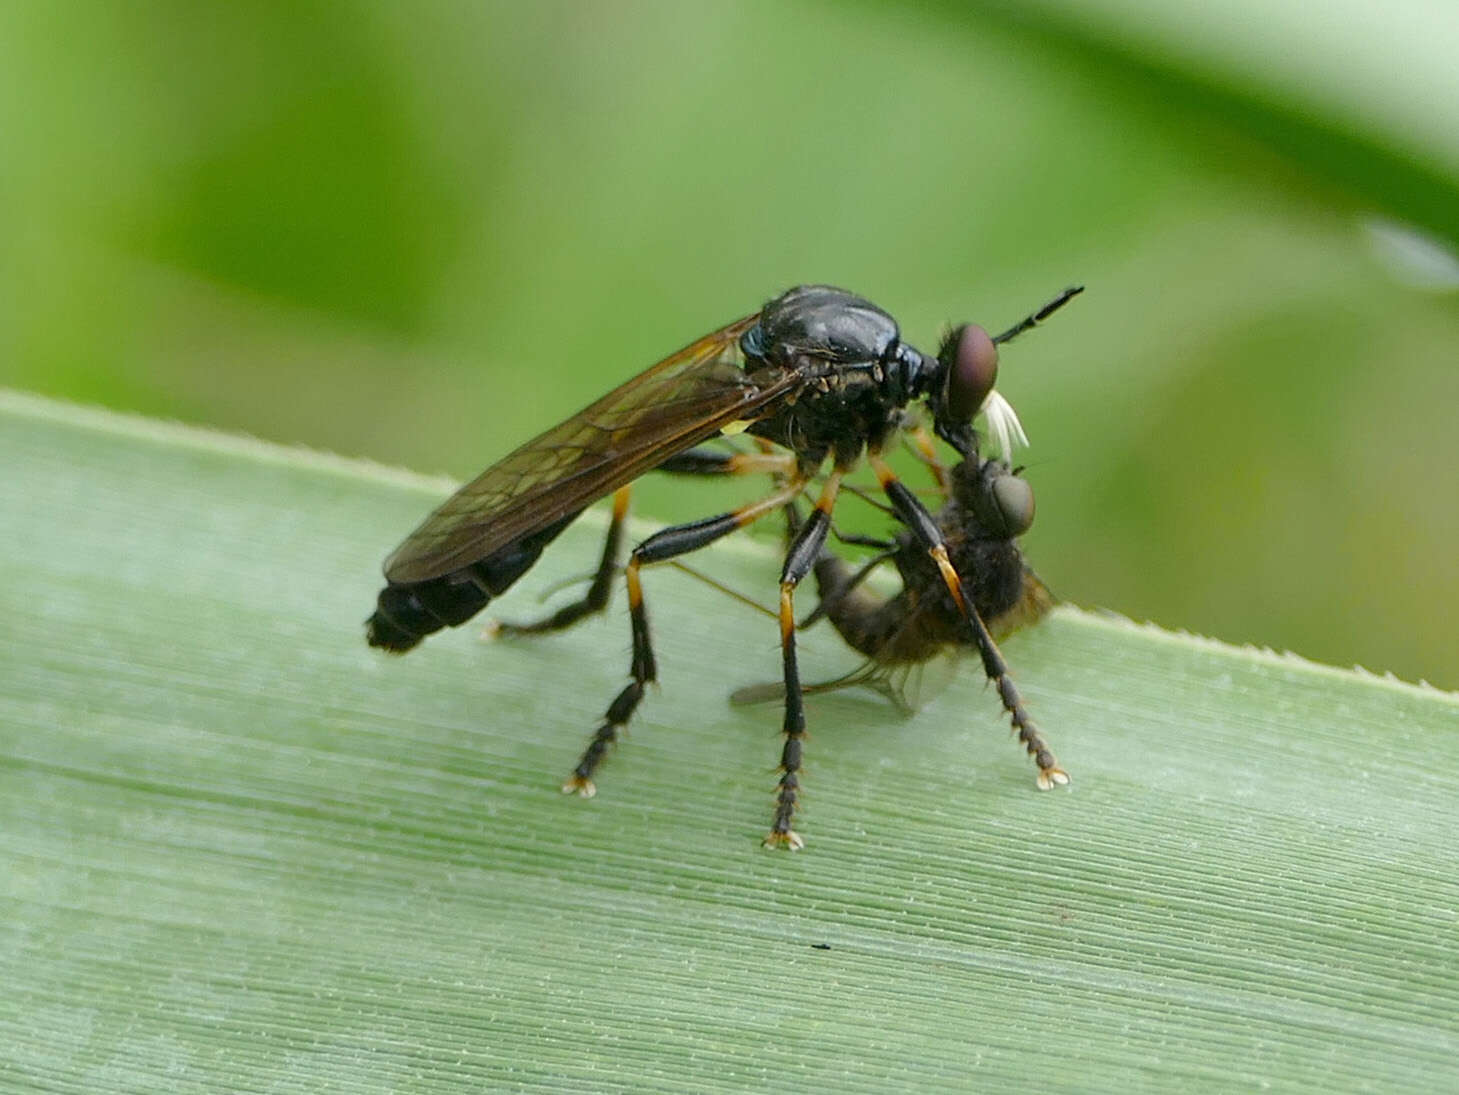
point(972, 372)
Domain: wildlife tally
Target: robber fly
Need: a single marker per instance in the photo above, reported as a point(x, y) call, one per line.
point(820, 373)
point(987, 507)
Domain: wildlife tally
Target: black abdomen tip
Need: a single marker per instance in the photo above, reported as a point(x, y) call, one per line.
point(379, 631)
point(406, 614)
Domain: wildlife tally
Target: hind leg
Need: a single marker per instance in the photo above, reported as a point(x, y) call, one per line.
point(598, 594)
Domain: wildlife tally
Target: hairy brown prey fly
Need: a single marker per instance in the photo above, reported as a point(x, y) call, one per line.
point(986, 507)
point(820, 373)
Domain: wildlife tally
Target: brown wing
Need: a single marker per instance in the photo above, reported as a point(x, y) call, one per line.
point(677, 403)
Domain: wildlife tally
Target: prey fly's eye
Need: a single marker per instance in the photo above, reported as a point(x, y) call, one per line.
point(971, 360)
point(1014, 499)
point(1005, 505)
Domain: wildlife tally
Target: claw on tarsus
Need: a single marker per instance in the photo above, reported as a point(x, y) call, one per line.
point(1049, 778)
point(790, 840)
point(580, 786)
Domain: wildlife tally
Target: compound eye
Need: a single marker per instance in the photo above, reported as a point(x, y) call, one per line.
point(1013, 501)
point(972, 372)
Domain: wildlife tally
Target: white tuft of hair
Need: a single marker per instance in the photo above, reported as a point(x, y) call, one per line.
point(1003, 425)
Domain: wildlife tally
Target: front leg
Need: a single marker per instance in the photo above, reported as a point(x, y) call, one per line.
point(924, 526)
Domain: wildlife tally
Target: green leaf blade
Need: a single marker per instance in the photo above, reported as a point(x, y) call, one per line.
point(242, 851)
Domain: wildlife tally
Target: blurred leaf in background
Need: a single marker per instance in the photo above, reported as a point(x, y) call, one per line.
point(424, 232)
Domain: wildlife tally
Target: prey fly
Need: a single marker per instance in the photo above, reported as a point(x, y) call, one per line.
point(987, 507)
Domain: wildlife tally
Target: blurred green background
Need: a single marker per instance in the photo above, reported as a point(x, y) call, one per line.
point(421, 232)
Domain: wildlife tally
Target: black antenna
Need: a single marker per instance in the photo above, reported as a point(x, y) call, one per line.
point(1038, 317)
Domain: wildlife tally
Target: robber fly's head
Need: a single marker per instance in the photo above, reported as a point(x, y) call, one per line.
point(1000, 500)
point(968, 375)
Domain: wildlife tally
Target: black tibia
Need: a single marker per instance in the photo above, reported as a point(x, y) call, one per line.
point(805, 549)
point(598, 594)
point(707, 461)
point(406, 612)
point(835, 581)
point(662, 545)
point(700, 461)
point(912, 513)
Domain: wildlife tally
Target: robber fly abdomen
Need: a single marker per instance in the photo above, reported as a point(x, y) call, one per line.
point(822, 373)
point(407, 612)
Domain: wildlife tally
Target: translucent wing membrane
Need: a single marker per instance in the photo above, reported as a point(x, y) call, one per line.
point(677, 403)
point(907, 686)
point(907, 670)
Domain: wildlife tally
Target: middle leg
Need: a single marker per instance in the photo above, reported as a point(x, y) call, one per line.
point(699, 461)
point(805, 549)
point(643, 670)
